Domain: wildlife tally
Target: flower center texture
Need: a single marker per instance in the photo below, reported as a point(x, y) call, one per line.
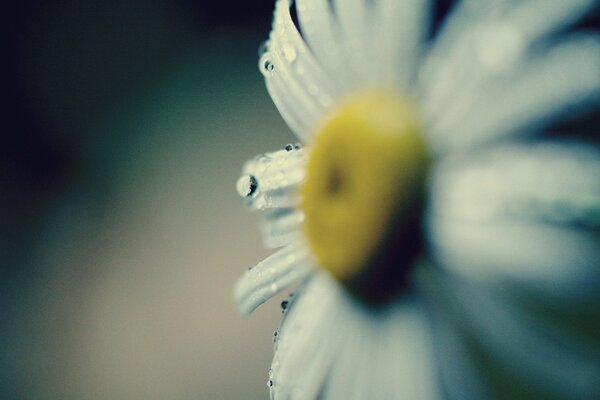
point(362, 197)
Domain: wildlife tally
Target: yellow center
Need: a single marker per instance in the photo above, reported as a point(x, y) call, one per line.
point(366, 168)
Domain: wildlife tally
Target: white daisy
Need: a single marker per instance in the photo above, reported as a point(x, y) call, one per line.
point(443, 244)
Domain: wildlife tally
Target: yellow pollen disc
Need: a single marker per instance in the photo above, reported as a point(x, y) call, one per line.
point(366, 167)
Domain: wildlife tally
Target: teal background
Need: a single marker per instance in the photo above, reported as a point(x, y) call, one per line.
point(122, 233)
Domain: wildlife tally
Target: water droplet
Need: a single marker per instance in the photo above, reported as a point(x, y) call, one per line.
point(266, 65)
point(284, 305)
point(289, 147)
point(297, 146)
point(247, 186)
point(269, 383)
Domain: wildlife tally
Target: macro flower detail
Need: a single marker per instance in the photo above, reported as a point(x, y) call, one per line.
point(439, 225)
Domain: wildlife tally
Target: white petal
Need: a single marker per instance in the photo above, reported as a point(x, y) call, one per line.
point(349, 377)
point(510, 338)
point(533, 19)
point(296, 94)
point(562, 82)
point(536, 19)
point(304, 350)
point(476, 25)
point(398, 40)
point(321, 31)
point(282, 227)
point(450, 64)
point(482, 71)
point(514, 214)
point(298, 123)
point(559, 262)
point(332, 346)
point(276, 273)
point(387, 356)
point(552, 181)
point(356, 27)
point(409, 347)
point(295, 81)
point(276, 176)
point(460, 376)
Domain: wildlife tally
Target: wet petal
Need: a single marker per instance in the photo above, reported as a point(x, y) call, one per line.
point(297, 83)
point(322, 34)
point(304, 351)
point(398, 59)
point(276, 273)
point(282, 227)
point(270, 180)
point(344, 46)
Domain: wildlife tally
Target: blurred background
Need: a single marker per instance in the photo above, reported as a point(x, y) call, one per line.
point(122, 235)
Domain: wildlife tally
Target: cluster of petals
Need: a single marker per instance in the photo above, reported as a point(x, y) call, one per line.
point(506, 301)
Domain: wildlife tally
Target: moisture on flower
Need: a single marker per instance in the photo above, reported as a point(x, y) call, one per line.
point(442, 235)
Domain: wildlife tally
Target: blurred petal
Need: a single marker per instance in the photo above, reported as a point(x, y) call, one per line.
point(553, 181)
point(331, 346)
point(482, 71)
point(398, 59)
point(356, 26)
point(519, 213)
point(514, 351)
point(562, 82)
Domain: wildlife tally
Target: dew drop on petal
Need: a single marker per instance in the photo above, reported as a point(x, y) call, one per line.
point(266, 64)
point(270, 386)
point(247, 186)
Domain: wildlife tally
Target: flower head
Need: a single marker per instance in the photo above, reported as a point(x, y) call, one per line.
point(440, 238)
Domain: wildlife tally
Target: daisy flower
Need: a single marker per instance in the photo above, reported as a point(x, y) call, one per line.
point(441, 240)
